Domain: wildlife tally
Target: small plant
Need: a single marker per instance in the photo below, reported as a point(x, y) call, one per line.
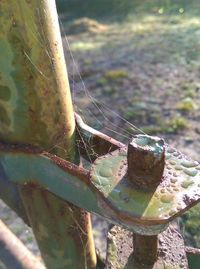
point(187, 105)
point(177, 123)
point(102, 81)
point(189, 90)
point(115, 74)
point(190, 93)
point(109, 90)
point(153, 129)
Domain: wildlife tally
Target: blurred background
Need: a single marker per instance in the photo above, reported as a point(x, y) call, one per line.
point(134, 66)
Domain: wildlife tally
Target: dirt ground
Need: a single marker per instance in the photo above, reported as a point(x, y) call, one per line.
point(147, 71)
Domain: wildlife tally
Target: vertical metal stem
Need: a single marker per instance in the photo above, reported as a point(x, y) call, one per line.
point(63, 232)
point(145, 248)
point(36, 109)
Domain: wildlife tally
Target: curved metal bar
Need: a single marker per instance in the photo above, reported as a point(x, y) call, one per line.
point(92, 142)
point(67, 181)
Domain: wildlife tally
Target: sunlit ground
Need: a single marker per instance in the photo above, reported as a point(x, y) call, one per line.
point(146, 68)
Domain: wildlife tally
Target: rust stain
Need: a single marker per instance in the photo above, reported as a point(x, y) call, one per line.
point(73, 169)
point(19, 148)
point(97, 142)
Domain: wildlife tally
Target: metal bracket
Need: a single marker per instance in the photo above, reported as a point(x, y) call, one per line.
point(106, 190)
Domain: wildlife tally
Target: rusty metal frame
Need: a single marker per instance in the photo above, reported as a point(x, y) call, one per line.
point(74, 183)
point(45, 184)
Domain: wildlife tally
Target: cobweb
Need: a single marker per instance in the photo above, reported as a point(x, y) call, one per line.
point(100, 116)
point(95, 113)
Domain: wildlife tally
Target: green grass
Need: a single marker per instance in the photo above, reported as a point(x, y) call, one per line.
point(187, 105)
point(84, 46)
point(115, 74)
point(174, 125)
point(177, 123)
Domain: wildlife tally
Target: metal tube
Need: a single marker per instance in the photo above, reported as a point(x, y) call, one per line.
point(35, 100)
point(36, 109)
point(145, 248)
point(14, 254)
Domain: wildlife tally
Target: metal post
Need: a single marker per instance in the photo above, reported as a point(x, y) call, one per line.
point(146, 248)
point(36, 109)
point(146, 162)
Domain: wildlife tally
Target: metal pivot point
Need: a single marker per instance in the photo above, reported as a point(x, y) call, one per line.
point(146, 161)
point(145, 248)
point(107, 191)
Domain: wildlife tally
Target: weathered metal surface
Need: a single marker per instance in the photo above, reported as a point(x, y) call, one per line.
point(145, 248)
point(53, 174)
point(93, 143)
point(36, 107)
point(171, 251)
point(35, 103)
point(62, 178)
point(178, 191)
point(9, 192)
point(103, 192)
point(14, 254)
point(34, 171)
point(146, 161)
point(68, 248)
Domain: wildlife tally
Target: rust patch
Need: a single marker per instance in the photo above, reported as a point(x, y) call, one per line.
point(19, 148)
point(73, 169)
point(96, 142)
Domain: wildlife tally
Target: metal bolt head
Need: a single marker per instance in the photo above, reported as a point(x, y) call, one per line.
point(146, 161)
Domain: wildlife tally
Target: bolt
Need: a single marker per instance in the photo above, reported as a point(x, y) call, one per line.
point(145, 248)
point(146, 161)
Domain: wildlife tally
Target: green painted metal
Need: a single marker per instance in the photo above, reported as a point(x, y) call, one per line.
point(35, 103)
point(67, 246)
point(178, 190)
point(41, 171)
point(67, 181)
point(9, 193)
point(36, 109)
point(106, 190)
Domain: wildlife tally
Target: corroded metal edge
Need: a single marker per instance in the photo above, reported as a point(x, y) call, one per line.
point(93, 143)
point(72, 184)
point(62, 178)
